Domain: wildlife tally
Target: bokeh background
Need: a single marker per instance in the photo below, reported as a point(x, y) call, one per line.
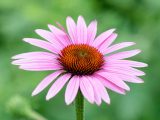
point(135, 20)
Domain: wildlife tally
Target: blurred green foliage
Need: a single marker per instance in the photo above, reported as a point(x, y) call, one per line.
point(135, 20)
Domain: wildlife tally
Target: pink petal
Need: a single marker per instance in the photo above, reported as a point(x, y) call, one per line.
point(40, 66)
point(133, 63)
point(57, 86)
point(42, 44)
point(102, 38)
point(55, 30)
point(123, 55)
point(112, 77)
point(87, 89)
point(38, 69)
point(102, 91)
point(91, 32)
point(35, 55)
point(72, 89)
point(97, 96)
point(38, 61)
point(110, 85)
point(102, 48)
point(50, 37)
point(60, 35)
point(124, 70)
point(132, 79)
point(81, 30)
point(45, 82)
point(118, 47)
point(43, 60)
point(122, 63)
point(71, 27)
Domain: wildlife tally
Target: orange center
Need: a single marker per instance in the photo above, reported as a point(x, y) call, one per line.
point(81, 59)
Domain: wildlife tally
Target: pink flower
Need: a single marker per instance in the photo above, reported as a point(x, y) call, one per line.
point(82, 61)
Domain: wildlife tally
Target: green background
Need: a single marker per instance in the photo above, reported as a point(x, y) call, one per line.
point(135, 20)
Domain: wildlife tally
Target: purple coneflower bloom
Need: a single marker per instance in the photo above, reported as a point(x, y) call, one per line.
point(82, 61)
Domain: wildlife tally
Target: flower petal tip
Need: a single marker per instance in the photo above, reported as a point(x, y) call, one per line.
point(49, 25)
point(128, 89)
point(69, 17)
point(139, 51)
point(109, 102)
point(34, 93)
point(91, 101)
point(99, 104)
point(141, 82)
point(12, 62)
point(20, 67)
point(113, 29)
point(25, 39)
point(80, 17)
point(145, 64)
point(95, 21)
point(38, 31)
point(48, 98)
point(14, 57)
point(67, 103)
point(132, 43)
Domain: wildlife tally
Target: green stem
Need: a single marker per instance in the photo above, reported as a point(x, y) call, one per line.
point(79, 106)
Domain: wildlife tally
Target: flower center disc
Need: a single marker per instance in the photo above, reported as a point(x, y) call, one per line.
point(81, 59)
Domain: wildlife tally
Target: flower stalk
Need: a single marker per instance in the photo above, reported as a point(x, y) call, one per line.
point(79, 105)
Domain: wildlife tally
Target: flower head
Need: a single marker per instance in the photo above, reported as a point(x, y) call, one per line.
point(82, 61)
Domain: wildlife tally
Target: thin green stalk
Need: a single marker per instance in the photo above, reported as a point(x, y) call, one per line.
point(34, 115)
point(79, 104)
